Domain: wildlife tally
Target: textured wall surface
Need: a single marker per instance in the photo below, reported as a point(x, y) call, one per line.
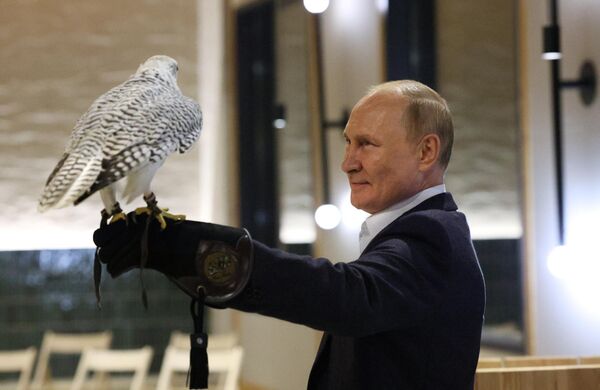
point(57, 56)
point(477, 75)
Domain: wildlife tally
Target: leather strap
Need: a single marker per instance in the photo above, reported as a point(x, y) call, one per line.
point(198, 373)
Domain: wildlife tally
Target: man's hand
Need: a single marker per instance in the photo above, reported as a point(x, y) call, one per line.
point(194, 255)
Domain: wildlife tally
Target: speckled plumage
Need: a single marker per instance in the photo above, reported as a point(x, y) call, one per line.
point(127, 132)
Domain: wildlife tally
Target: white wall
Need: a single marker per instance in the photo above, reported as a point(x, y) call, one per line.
point(565, 312)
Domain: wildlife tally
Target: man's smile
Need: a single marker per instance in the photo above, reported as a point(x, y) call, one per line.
point(355, 185)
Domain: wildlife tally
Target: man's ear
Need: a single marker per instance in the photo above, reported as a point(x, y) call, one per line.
point(429, 150)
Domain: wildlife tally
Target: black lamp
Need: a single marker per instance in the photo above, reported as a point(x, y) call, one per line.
point(586, 83)
point(551, 43)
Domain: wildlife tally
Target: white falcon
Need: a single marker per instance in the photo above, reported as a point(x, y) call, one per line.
point(127, 132)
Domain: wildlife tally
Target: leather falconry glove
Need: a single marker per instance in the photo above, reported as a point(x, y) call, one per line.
point(207, 261)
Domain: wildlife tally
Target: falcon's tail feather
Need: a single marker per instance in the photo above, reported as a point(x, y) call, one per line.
point(69, 181)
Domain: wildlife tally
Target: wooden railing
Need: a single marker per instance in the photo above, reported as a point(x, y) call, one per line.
point(538, 373)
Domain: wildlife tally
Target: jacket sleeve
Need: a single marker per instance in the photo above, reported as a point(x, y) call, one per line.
point(394, 285)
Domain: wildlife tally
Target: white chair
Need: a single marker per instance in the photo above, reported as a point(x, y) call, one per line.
point(19, 361)
point(179, 340)
point(136, 361)
point(226, 361)
point(65, 344)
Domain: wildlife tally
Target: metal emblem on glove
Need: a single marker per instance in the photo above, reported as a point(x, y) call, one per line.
point(220, 267)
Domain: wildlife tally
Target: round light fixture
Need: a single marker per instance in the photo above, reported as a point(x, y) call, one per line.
point(316, 6)
point(328, 216)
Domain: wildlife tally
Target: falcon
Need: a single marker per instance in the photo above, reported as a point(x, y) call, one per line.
point(127, 133)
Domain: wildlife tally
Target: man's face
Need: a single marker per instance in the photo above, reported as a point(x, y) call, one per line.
point(381, 164)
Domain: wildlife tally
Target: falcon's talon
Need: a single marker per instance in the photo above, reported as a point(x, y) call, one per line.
point(161, 220)
point(117, 217)
point(143, 210)
point(160, 215)
point(175, 217)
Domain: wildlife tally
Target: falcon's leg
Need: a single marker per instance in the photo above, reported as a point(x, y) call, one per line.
point(157, 212)
point(117, 213)
point(112, 209)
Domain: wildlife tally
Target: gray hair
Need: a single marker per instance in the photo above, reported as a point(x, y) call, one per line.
point(427, 112)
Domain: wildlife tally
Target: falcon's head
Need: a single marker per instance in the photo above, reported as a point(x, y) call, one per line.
point(165, 65)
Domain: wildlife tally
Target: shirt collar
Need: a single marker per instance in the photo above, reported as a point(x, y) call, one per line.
point(378, 221)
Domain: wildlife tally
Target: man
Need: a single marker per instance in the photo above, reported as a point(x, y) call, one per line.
point(407, 314)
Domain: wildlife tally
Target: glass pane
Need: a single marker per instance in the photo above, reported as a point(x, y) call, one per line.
point(294, 163)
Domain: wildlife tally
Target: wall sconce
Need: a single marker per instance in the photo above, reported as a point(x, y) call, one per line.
point(586, 83)
point(551, 43)
point(279, 120)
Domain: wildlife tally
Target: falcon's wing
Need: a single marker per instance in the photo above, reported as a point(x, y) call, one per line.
point(141, 120)
point(88, 125)
point(163, 123)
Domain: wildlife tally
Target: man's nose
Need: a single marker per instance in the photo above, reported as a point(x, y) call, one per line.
point(350, 162)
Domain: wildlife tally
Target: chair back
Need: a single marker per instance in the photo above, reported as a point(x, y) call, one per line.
point(66, 344)
point(136, 361)
point(175, 360)
point(229, 362)
point(19, 361)
point(226, 361)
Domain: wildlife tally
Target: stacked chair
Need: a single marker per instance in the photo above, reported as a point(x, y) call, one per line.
point(19, 362)
point(97, 357)
point(65, 344)
point(136, 361)
point(224, 360)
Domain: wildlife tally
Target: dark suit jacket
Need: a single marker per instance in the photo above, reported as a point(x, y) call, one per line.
point(406, 315)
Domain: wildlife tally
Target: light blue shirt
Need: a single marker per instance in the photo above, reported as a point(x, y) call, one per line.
point(378, 221)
